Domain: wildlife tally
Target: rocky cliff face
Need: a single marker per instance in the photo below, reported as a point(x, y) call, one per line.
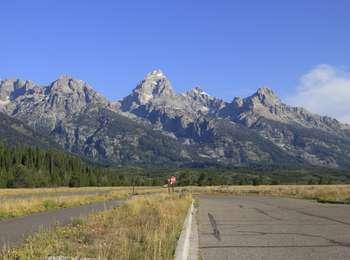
point(156, 124)
point(44, 108)
point(82, 121)
point(256, 129)
point(16, 133)
point(265, 104)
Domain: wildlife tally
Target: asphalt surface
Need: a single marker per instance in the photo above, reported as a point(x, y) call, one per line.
point(14, 231)
point(254, 227)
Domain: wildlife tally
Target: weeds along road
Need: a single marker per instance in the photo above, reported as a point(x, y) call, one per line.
point(254, 227)
point(51, 194)
point(13, 231)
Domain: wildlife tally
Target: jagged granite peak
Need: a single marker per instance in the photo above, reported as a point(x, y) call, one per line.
point(238, 101)
point(157, 73)
point(197, 93)
point(74, 90)
point(44, 107)
point(155, 92)
point(201, 101)
point(16, 88)
point(264, 96)
point(66, 84)
point(12, 88)
point(155, 86)
point(266, 91)
point(264, 103)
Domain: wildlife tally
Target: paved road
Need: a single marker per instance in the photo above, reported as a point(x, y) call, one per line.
point(272, 228)
point(13, 231)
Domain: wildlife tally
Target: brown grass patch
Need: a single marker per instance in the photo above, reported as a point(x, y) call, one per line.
point(321, 193)
point(20, 202)
point(143, 228)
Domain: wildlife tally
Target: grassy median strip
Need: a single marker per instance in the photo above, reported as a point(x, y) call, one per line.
point(321, 193)
point(21, 202)
point(146, 227)
point(30, 192)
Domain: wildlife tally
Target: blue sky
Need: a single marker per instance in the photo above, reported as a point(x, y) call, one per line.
point(227, 47)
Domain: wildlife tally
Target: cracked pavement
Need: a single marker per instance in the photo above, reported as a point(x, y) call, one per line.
point(252, 227)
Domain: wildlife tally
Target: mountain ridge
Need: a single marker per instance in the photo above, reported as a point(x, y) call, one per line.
point(198, 127)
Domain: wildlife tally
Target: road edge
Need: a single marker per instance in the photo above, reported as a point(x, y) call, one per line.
point(187, 245)
point(194, 238)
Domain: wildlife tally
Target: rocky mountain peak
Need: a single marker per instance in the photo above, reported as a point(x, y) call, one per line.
point(193, 125)
point(70, 92)
point(10, 89)
point(155, 86)
point(263, 99)
point(265, 91)
point(238, 101)
point(197, 92)
point(265, 96)
point(64, 77)
point(67, 84)
point(202, 101)
point(157, 73)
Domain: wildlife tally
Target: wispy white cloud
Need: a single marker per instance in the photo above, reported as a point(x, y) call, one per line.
point(325, 90)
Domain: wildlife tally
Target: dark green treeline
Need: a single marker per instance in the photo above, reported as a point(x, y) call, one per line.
point(33, 167)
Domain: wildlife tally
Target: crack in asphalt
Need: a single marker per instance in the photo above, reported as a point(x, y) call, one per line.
point(316, 216)
point(267, 214)
point(296, 246)
point(332, 241)
point(304, 213)
point(216, 231)
point(245, 230)
point(329, 240)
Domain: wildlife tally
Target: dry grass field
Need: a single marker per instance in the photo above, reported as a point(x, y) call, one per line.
point(20, 202)
point(320, 193)
point(146, 227)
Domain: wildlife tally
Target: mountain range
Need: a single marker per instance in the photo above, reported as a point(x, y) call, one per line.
point(156, 126)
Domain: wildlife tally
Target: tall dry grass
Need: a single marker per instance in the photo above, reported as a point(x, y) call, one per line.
point(20, 202)
point(34, 192)
point(47, 191)
point(144, 228)
point(321, 193)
